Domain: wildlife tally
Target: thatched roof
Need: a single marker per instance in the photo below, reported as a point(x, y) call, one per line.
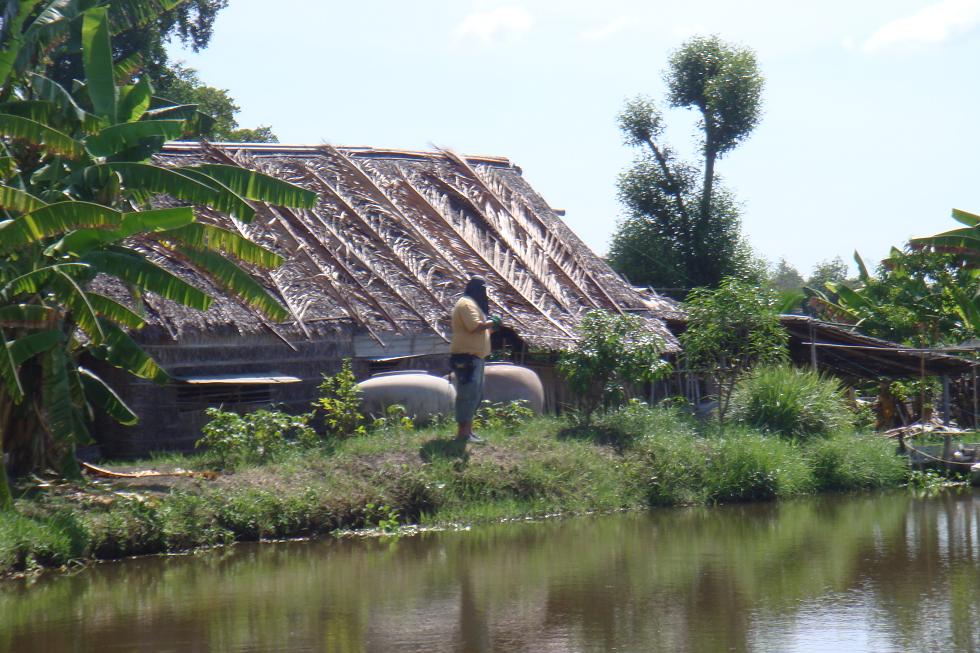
point(391, 243)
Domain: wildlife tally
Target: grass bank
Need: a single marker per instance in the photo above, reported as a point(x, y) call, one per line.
point(632, 459)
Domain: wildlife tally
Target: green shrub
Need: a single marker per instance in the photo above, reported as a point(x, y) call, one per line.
point(612, 353)
point(252, 438)
point(791, 402)
point(339, 404)
point(851, 462)
point(668, 468)
point(747, 466)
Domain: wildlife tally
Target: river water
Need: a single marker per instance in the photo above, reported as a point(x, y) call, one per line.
point(882, 572)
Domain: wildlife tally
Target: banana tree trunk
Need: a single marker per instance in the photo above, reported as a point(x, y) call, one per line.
point(6, 498)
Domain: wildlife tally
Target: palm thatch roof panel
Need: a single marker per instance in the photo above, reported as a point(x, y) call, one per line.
point(395, 235)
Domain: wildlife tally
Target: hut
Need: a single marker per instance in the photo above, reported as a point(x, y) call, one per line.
point(371, 274)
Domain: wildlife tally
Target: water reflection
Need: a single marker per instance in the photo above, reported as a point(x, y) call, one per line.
point(868, 573)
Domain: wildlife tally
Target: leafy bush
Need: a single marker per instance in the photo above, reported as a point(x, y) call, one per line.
point(851, 462)
point(730, 330)
point(339, 404)
point(612, 353)
point(252, 438)
point(502, 416)
point(791, 402)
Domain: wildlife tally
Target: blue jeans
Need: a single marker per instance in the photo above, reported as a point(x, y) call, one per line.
point(469, 395)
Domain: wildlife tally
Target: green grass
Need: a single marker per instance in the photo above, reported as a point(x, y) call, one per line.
point(630, 459)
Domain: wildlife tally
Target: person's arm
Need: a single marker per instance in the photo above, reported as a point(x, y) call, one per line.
point(471, 320)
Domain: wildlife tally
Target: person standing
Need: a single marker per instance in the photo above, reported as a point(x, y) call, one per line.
point(468, 349)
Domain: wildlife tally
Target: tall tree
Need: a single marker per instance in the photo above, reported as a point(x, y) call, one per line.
point(785, 277)
point(182, 85)
point(683, 231)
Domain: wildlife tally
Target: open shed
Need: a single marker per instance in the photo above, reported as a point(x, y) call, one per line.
point(371, 274)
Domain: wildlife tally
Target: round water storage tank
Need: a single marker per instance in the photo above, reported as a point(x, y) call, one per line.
point(506, 382)
point(422, 394)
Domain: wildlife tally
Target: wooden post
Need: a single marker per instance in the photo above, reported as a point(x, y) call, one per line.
point(813, 346)
point(974, 397)
point(946, 409)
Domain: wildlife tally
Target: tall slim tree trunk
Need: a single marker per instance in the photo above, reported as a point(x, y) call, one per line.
point(703, 222)
point(709, 182)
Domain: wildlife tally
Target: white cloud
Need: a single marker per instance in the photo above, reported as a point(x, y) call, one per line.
point(489, 27)
point(604, 32)
point(932, 25)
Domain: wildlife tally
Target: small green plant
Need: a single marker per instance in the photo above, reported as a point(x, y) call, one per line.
point(252, 438)
point(502, 416)
point(384, 517)
point(791, 402)
point(339, 404)
point(395, 419)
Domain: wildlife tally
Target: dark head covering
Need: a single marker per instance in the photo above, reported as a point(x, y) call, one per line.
point(476, 289)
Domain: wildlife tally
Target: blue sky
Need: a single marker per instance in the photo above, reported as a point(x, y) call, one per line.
point(869, 136)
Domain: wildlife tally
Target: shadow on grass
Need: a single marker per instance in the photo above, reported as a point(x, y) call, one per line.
point(597, 435)
point(441, 448)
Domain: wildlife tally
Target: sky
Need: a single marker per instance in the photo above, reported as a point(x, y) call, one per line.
point(869, 134)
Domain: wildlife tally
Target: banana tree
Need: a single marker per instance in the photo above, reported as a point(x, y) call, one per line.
point(79, 198)
point(919, 296)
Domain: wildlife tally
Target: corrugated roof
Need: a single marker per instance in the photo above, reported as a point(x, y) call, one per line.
point(391, 242)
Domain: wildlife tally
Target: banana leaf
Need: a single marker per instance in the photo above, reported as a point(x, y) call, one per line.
point(201, 235)
point(26, 316)
point(97, 62)
point(52, 140)
point(135, 100)
point(113, 310)
point(14, 199)
point(135, 269)
point(54, 219)
point(235, 280)
point(113, 139)
point(72, 295)
point(105, 398)
point(84, 240)
point(122, 351)
point(26, 347)
point(257, 186)
point(8, 370)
